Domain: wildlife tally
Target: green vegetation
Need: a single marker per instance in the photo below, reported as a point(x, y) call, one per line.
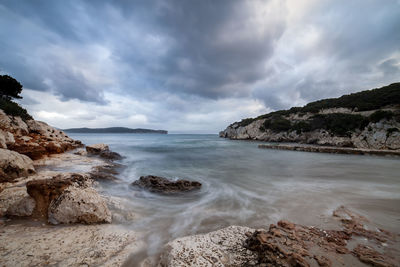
point(340, 124)
point(337, 123)
point(11, 88)
point(13, 109)
point(391, 130)
point(361, 101)
point(381, 114)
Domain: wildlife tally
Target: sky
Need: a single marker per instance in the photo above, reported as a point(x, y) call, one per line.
point(191, 66)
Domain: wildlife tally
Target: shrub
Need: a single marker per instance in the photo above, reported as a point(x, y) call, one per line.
point(11, 108)
point(301, 127)
point(381, 114)
point(276, 124)
point(391, 130)
point(339, 123)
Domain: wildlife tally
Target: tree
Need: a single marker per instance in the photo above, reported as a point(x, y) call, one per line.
point(9, 87)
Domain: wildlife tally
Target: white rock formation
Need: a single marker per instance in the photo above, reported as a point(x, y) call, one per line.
point(219, 248)
point(79, 205)
point(14, 165)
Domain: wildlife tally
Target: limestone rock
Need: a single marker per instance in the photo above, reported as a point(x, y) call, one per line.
point(79, 205)
point(46, 190)
point(219, 248)
point(6, 138)
point(14, 165)
point(22, 208)
point(11, 197)
point(162, 185)
point(96, 149)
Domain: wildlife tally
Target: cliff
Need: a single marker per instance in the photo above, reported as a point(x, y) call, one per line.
point(368, 119)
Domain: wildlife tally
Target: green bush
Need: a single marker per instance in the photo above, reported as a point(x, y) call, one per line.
point(301, 127)
point(381, 114)
point(276, 124)
point(391, 130)
point(11, 108)
point(339, 123)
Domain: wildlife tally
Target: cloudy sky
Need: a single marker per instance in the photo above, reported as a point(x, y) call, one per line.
point(192, 66)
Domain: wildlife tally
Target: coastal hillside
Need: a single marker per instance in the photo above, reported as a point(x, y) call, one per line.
point(114, 130)
point(368, 119)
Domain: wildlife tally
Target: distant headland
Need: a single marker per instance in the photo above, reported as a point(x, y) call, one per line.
point(114, 130)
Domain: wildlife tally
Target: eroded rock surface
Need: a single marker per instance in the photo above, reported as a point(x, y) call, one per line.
point(158, 184)
point(14, 165)
point(79, 205)
point(219, 248)
point(287, 244)
point(96, 149)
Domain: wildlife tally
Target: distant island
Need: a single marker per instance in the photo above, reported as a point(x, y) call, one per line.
point(114, 130)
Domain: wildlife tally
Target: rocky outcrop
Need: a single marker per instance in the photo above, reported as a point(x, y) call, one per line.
point(384, 134)
point(79, 205)
point(15, 201)
point(219, 248)
point(103, 151)
point(14, 165)
point(46, 190)
point(68, 198)
point(287, 244)
point(162, 185)
point(33, 138)
point(96, 149)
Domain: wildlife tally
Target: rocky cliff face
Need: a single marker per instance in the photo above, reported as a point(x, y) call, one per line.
point(363, 129)
point(24, 141)
point(33, 138)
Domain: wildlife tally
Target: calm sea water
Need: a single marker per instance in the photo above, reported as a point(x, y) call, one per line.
point(244, 185)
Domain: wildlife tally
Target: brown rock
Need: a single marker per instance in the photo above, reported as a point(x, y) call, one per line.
point(372, 257)
point(286, 225)
point(162, 185)
point(323, 261)
point(46, 190)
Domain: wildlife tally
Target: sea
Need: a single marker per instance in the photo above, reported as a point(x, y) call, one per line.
point(243, 185)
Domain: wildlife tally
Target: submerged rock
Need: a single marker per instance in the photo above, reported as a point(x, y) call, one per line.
point(163, 185)
point(105, 172)
point(110, 155)
point(14, 165)
point(103, 151)
point(96, 149)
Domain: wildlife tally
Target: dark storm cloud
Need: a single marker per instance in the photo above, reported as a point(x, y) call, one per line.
point(180, 52)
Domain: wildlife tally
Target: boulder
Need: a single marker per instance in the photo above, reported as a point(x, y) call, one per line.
point(163, 185)
point(15, 201)
point(79, 205)
point(32, 149)
point(23, 208)
point(14, 165)
point(96, 149)
point(6, 138)
point(219, 248)
point(44, 191)
point(105, 172)
point(110, 155)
